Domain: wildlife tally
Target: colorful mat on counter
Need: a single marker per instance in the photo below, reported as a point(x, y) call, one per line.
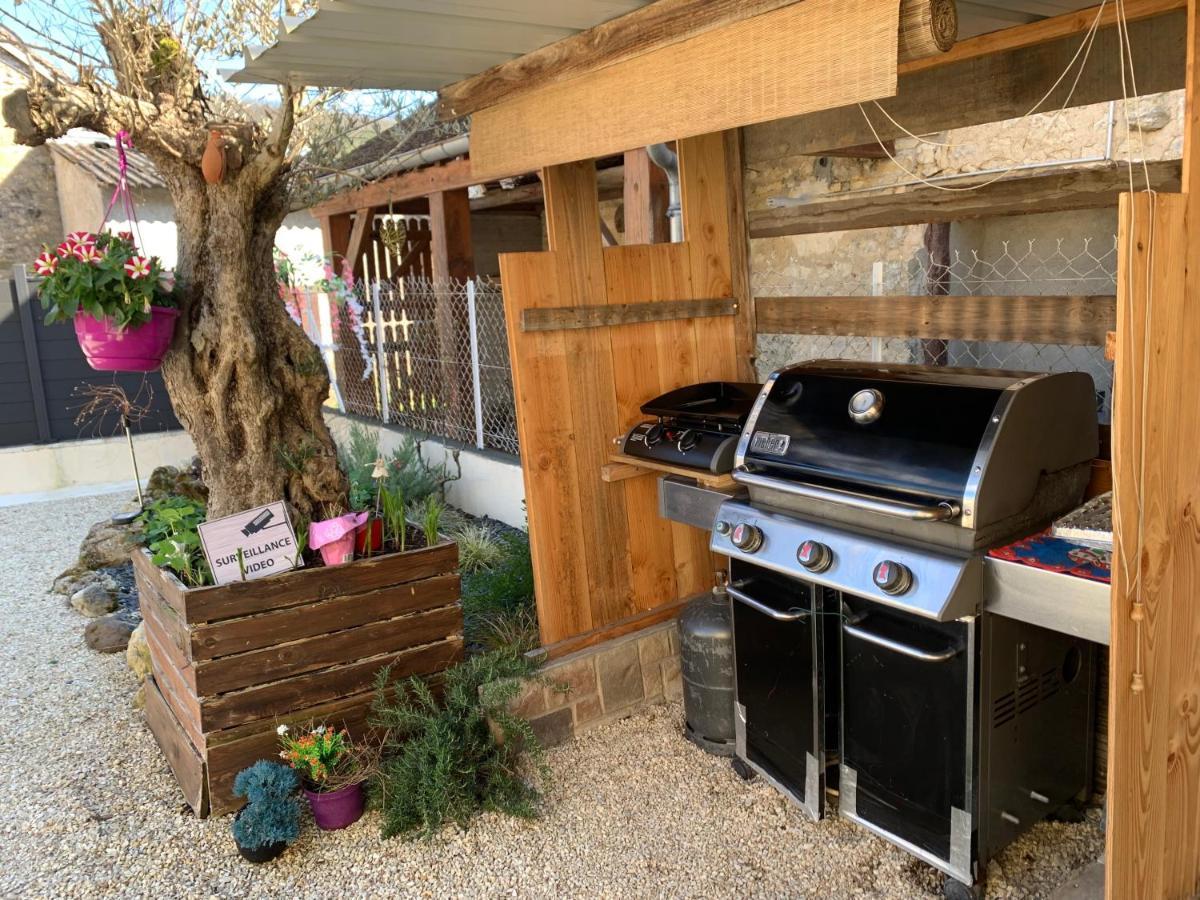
point(1056, 555)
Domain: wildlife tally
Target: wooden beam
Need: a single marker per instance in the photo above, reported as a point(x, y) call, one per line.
point(450, 226)
point(354, 247)
point(566, 318)
point(873, 150)
point(744, 340)
point(1153, 842)
point(1051, 190)
point(1005, 83)
point(645, 199)
point(650, 27)
point(335, 235)
point(754, 70)
point(447, 176)
point(1041, 32)
point(1076, 320)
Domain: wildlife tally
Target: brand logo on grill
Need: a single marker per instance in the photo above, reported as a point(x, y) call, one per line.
point(770, 442)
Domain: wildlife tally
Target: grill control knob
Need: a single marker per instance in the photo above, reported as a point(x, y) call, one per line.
point(654, 434)
point(814, 556)
point(892, 577)
point(687, 440)
point(746, 537)
point(866, 406)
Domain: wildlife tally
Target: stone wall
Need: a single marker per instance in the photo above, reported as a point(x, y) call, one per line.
point(28, 198)
point(602, 683)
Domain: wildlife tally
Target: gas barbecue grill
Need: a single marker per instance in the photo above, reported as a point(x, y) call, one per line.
point(862, 654)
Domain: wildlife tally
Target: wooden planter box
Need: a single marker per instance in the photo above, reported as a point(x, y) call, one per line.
point(231, 663)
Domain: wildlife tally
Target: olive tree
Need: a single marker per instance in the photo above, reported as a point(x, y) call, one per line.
point(243, 378)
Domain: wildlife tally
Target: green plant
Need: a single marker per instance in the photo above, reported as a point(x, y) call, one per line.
point(394, 516)
point(319, 754)
point(170, 529)
point(103, 275)
point(498, 602)
point(431, 520)
point(272, 813)
point(445, 760)
point(478, 548)
point(302, 524)
point(407, 470)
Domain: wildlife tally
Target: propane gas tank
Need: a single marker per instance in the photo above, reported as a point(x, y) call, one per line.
point(706, 664)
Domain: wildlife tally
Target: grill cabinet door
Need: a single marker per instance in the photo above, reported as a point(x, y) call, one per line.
point(779, 681)
point(907, 695)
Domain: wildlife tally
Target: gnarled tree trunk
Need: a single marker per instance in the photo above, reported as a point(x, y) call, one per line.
point(244, 379)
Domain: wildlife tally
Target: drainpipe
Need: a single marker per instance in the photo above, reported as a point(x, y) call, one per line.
point(668, 160)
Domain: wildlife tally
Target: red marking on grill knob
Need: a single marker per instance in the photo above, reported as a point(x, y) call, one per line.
point(892, 577)
point(814, 556)
point(746, 537)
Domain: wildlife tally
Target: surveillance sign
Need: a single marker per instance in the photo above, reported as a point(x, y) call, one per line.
point(250, 544)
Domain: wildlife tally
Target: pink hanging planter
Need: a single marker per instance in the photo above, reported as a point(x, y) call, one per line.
point(137, 348)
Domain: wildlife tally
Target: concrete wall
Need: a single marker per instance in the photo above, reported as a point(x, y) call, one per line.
point(29, 210)
point(491, 483)
point(99, 462)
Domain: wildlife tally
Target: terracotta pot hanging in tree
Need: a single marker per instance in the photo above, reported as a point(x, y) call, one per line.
point(212, 163)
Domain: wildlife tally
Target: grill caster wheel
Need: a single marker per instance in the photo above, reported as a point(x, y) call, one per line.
point(742, 769)
point(953, 889)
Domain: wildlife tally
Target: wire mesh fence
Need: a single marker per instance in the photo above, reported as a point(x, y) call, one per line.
point(428, 356)
point(1027, 268)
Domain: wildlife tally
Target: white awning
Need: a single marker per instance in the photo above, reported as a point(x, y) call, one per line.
point(415, 44)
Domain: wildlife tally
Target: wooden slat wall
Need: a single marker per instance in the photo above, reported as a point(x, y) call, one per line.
point(601, 553)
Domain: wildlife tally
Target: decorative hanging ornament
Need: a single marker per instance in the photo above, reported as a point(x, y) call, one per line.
point(212, 163)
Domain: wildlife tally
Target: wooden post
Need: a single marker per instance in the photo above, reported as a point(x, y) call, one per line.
point(360, 237)
point(645, 200)
point(335, 235)
point(453, 264)
point(1153, 841)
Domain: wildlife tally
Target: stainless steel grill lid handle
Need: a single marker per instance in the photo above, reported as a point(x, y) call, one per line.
point(897, 647)
point(791, 615)
point(917, 512)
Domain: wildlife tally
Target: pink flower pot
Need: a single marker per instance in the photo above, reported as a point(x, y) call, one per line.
point(336, 809)
point(339, 551)
point(139, 348)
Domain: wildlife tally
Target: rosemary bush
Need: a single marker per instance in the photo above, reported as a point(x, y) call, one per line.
point(445, 760)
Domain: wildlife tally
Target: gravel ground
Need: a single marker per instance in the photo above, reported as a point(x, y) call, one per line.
point(88, 806)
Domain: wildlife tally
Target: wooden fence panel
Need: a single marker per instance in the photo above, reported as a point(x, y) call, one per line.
point(601, 553)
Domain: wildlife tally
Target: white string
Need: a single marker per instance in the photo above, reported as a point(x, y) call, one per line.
point(1085, 48)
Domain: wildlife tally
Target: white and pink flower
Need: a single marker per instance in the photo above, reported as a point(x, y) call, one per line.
point(166, 280)
point(65, 249)
point(137, 267)
point(45, 264)
point(80, 237)
point(86, 253)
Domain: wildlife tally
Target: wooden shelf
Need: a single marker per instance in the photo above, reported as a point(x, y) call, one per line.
point(623, 466)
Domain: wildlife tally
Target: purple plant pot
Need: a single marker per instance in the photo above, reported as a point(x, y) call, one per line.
point(136, 349)
point(340, 551)
point(336, 809)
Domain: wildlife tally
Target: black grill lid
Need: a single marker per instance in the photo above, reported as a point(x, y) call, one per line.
point(712, 402)
point(930, 424)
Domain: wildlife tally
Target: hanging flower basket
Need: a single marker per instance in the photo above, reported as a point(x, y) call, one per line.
point(122, 302)
point(139, 348)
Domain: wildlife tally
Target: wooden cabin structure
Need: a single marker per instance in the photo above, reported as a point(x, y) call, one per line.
point(663, 314)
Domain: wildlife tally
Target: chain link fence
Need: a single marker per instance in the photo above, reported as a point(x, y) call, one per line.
point(428, 356)
point(1028, 268)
